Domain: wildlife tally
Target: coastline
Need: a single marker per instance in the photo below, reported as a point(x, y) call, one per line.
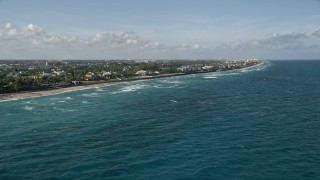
point(24, 95)
point(49, 92)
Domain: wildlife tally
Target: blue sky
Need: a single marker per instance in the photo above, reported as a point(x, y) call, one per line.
point(105, 29)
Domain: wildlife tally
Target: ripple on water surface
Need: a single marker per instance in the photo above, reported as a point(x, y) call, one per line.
point(253, 123)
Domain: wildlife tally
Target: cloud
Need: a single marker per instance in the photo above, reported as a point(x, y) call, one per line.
point(123, 40)
point(12, 32)
point(32, 41)
point(276, 46)
point(275, 41)
point(280, 40)
point(8, 26)
point(316, 33)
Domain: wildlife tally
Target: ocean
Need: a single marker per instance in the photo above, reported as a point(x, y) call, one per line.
point(261, 122)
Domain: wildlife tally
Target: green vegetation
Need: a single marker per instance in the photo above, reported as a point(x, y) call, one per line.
point(31, 75)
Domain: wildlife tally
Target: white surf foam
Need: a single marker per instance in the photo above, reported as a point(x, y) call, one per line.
point(210, 77)
point(99, 89)
point(214, 75)
point(167, 81)
point(134, 87)
point(28, 108)
point(90, 95)
point(13, 99)
point(230, 74)
point(64, 109)
point(165, 87)
point(258, 67)
point(28, 102)
point(67, 98)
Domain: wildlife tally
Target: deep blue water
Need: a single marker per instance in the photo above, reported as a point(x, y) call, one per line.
point(261, 122)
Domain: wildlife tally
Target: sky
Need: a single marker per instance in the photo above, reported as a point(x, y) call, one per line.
point(159, 29)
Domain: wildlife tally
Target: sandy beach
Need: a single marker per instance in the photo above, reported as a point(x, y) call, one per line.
point(23, 95)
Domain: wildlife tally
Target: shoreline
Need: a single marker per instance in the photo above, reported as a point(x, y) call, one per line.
point(49, 92)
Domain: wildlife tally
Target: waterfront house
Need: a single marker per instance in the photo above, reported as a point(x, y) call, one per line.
point(75, 82)
point(44, 74)
point(141, 73)
point(106, 74)
point(58, 72)
point(152, 73)
point(88, 76)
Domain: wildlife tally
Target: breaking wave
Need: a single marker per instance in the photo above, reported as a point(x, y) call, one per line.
point(90, 95)
point(259, 67)
point(28, 108)
point(134, 87)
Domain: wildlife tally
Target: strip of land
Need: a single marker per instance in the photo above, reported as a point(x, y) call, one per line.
point(17, 83)
point(30, 94)
point(23, 95)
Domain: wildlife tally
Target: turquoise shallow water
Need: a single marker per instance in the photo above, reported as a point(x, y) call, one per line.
point(261, 122)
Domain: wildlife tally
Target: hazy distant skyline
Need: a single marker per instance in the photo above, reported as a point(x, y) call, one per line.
point(171, 29)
